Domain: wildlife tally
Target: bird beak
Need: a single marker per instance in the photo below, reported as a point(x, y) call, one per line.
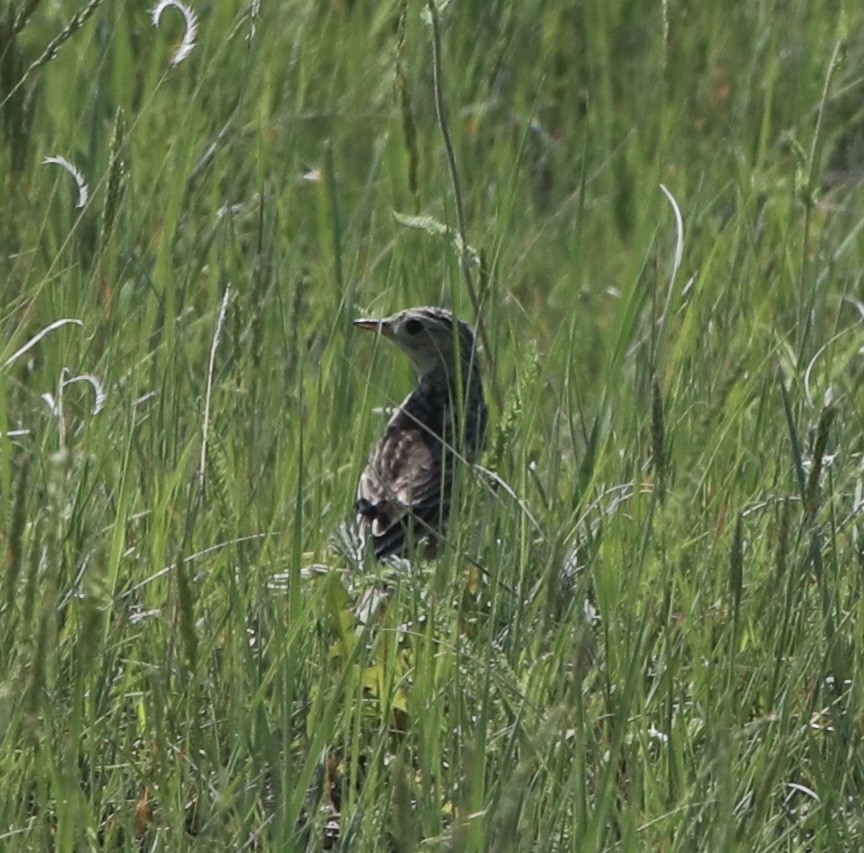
point(383, 327)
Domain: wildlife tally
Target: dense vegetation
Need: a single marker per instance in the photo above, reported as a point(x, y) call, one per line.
point(645, 630)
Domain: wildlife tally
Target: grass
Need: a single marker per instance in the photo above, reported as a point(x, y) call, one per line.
point(663, 651)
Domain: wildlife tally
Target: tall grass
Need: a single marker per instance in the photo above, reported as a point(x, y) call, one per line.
point(660, 647)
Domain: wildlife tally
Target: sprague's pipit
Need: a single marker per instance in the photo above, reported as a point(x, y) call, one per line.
point(403, 498)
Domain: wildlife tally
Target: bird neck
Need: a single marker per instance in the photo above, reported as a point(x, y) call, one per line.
point(451, 406)
point(451, 382)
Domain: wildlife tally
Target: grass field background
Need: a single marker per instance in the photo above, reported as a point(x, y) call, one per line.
point(664, 648)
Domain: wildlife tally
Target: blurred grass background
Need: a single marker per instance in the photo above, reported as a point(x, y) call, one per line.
point(663, 652)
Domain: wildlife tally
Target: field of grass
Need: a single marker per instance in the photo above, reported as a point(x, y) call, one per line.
point(663, 649)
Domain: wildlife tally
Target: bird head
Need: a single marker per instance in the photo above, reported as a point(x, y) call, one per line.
point(431, 337)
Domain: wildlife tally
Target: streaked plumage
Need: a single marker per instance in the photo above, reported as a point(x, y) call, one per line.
point(404, 492)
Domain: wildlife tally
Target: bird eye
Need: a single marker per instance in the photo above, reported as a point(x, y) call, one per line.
point(413, 327)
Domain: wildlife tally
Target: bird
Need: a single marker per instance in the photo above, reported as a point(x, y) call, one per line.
point(404, 492)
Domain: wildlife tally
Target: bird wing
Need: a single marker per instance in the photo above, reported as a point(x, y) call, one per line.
point(403, 482)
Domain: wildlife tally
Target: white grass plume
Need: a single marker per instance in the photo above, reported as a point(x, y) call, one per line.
point(205, 429)
point(55, 403)
point(38, 337)
point(72, 169)
point(188, 43)
point(254, 15)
